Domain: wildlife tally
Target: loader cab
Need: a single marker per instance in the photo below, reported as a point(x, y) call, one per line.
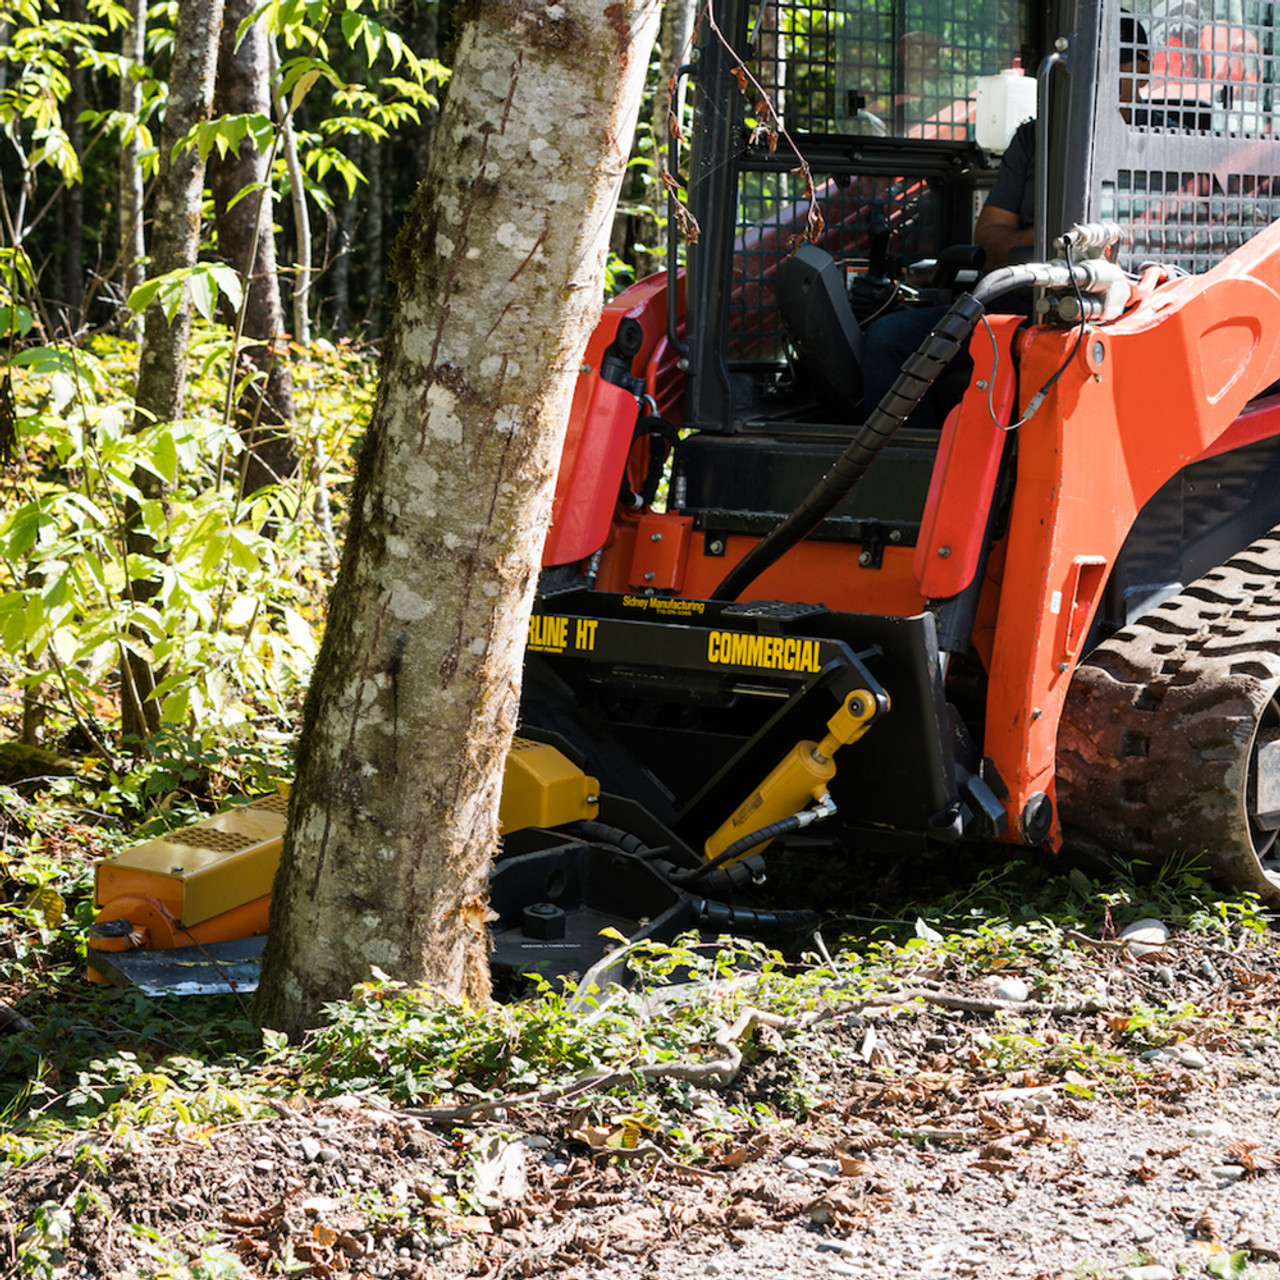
point(880, 100)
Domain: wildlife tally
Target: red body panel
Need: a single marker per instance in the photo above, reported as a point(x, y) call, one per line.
point(1138, 400)
point(602, 422)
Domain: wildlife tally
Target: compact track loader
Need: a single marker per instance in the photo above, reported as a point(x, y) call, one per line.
point(773, 612)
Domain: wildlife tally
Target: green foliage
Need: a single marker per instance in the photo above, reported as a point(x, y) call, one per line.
point(229, 615)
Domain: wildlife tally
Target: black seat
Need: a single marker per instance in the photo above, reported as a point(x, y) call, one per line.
point(825, 337)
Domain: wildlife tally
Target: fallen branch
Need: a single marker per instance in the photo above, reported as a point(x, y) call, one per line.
point(724, 1069)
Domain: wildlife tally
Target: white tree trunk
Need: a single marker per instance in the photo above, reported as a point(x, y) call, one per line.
point(133, 245)
point(414, 698)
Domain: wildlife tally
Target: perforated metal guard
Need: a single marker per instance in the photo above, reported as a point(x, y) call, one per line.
point(887, 68)
point(903, 68)
point(772, 211)
point(1189, 168)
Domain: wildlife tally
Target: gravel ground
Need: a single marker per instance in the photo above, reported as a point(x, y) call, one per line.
point(921, 1148)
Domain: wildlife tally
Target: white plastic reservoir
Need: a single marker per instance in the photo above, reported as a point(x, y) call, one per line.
point(1004, 102)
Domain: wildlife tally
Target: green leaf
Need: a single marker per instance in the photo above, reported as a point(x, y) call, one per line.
point(15, 319)
point(204, 295)
point(302, 88)
point(164, 457)
point(23, 529)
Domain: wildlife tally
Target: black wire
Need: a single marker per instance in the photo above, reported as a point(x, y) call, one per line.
point(1037, 399)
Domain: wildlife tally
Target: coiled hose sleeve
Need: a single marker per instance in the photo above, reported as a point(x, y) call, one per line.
point(603, 833)
point(745, 920)
point(919, 373)
point(743, 844)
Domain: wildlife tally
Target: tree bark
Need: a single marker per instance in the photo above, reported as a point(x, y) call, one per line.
point(175, 242)
point(375, 258)
point(246, 242)
point(133, 245)
point(414, 697)
point(73, 198)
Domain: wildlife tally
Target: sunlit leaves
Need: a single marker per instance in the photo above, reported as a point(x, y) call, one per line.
point(204, 282)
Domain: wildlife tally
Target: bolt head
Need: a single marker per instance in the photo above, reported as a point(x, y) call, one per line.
point(864, 558)
point(655, 537)
point(649, 577)
point(943, 552)
point(716, 548)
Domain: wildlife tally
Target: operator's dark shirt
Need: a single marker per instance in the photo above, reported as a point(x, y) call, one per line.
point(1014, 189)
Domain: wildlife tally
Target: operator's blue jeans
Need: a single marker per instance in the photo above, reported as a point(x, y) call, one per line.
point(886, 346)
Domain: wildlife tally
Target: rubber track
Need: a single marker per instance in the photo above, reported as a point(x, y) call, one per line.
point(1159, 724)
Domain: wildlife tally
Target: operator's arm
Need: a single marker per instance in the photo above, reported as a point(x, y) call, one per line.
point(1005, 222)
point(997, 231)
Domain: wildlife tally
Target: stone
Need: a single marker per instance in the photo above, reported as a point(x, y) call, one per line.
point(1228, 1172)
point(1011, 989)
point(536, 1141)
point(1211, 1129)
point(1143, 937)
point(1142, 1234)
point(1191, 1058)
point(1153, 1272)
point(310, 1148)
point(795, 1163)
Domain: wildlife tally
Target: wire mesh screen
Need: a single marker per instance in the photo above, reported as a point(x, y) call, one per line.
point(773, 210)
point(1188, 159)
point(901, 68)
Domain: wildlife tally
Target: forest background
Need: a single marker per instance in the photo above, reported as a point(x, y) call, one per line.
point(166, 550)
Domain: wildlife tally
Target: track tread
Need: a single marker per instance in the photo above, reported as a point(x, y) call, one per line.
point(1155, 738)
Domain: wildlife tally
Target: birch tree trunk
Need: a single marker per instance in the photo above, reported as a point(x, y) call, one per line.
point(133, 246)
point(175, 242)
point(246, 242)
point(413, 703)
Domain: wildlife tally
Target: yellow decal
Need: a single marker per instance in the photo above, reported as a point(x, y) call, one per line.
point(665, 605)
point(776, 653)
point(549, 634)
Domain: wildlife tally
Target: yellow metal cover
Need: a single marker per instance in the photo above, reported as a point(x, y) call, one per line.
point(204, 869)
point(543, 788)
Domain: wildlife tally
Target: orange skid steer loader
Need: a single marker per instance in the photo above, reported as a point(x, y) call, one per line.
point(775, 609)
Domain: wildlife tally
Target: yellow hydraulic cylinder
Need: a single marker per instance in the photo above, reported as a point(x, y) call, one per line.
point(802, 776)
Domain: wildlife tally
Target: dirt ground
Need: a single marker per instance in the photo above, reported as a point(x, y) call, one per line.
point(917, 1140)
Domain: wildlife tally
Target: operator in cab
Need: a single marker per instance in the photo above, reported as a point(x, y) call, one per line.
point(1005, 227)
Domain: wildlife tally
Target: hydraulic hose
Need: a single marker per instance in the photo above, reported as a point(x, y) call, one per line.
point(740, 846)
point(603, 833)
point(919, 373)
point(745, 920)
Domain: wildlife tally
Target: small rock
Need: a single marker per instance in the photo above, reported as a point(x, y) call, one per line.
point(1213, 1129)
point(264, 1166)
point(842, 1247)
point(536, 1141)
point(1228, 1172)
point(713, 1268)
point(1145, 936)
point(1154, 1272)
point(328, 1155)
point(310, 1148)
point(795, 1163)
point(842, 1268)
point(1164, 973)
point(1192, 1058)
point(1142, 1234)
point(1012, 989)
point(826, 1166)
